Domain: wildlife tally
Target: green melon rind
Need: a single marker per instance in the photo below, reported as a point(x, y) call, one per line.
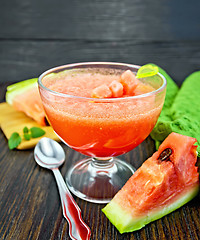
point(18, 88)
point(125, 222)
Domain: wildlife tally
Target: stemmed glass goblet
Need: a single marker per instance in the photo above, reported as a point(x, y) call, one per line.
point(100, 128)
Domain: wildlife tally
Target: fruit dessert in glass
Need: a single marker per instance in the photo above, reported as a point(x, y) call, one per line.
point(101, 110)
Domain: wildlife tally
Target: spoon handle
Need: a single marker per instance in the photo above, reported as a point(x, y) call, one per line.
point(78, 230)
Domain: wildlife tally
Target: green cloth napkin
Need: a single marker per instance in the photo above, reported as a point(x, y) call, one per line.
point(181, 111)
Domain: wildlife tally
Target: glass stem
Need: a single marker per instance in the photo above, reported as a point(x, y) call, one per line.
point(102, 162)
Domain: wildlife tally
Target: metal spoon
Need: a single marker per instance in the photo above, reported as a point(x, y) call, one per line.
point(49, 154)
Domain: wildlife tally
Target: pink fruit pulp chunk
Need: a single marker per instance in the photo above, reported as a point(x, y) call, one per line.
point(129, 82)
point(127, 85)
point(116, 89)
point(102, 91)
point(156, 182)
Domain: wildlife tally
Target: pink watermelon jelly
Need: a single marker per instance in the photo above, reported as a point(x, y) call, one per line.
point(100, 127)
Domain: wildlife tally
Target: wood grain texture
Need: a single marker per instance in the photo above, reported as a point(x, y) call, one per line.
point(22, 60)
point(30, 206)
point(37, 35)
point(156, 20)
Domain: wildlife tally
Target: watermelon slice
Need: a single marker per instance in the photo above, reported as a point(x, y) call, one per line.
point(164, 182)
point(24, 96)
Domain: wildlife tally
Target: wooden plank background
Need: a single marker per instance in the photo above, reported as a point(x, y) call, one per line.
point(37, 35)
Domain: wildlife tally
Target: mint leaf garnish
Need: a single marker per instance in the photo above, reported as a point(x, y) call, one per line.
point(27, 136)
point(36, 132)
point(25, 130)
point(147, 70)
point(14, 140)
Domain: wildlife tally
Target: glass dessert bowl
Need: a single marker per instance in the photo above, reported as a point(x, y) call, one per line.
point(100, 127)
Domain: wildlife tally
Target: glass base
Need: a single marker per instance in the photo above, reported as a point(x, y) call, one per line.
point(98, 180)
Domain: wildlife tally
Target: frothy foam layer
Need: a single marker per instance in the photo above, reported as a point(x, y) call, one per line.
point(80, 82)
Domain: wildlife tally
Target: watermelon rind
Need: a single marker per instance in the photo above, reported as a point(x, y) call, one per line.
point(18, 88)
point(126, 222)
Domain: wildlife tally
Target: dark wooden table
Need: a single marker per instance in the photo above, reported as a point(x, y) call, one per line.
point(30, 206)
point(37, 35)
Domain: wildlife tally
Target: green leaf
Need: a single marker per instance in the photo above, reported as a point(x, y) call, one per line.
point(27, 136)
point(25, 130)
point(147, 70)
point(36, 132)
point(198, 152)
point(14, 140)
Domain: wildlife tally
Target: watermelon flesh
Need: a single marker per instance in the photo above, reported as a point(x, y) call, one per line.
point(24, 96)
point(165, 182)
point(124, 86)
point(129, 82)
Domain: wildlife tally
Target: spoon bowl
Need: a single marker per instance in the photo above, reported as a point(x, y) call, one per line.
point(49, 154)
